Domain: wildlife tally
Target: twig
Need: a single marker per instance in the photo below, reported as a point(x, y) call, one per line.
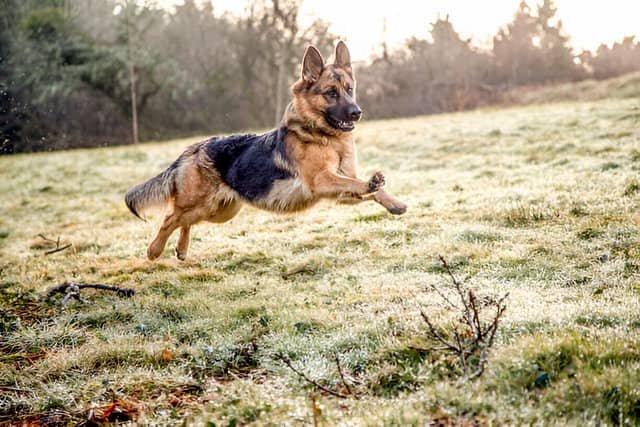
point(444, 297)
point(344, 382)
point(287, 362)
point(301, 269)
point(127, 292)
point(456, 283)
point(59, 249)
point(475, 318)
point(436, 335)
point(314, 408)
point(72, 290)
point(15, 389)
point(43, 237)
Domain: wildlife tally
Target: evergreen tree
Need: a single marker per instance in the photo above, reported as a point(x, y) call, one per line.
point(623, 57)
point(556, 53)
point(516, 55)
point(534, 49)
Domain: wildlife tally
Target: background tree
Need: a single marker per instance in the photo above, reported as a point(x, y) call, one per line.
point(429, 76)
point(124, 66)
point(533, 49)
point(556, 53)
point(43, 55)
point(201, 84)
point(11, 117)
point(268, 49)
point(66, 68)
point(516, 56)
point(623, 57)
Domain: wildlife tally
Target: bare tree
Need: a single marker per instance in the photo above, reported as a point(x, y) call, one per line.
point(132, 74)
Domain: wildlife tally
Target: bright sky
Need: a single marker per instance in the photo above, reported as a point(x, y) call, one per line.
point(360, 22)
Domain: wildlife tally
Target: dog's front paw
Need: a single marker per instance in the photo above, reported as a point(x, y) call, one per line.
point(376, 182)
point(397, 208)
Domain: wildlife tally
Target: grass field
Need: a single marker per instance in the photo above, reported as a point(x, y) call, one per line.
point(540, 201)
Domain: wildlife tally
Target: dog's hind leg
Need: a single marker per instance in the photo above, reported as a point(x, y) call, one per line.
point(183, 242)
point(179, 218)
point(170, 223)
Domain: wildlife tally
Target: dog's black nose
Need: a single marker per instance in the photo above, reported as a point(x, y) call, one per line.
point(355, 112)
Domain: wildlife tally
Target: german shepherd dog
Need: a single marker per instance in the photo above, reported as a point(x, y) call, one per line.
point(311, 156)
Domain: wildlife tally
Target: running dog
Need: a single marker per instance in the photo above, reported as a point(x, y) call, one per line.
point(310, 157)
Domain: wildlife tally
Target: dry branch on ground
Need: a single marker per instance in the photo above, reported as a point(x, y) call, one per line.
point(471, 337)
point(72, 290)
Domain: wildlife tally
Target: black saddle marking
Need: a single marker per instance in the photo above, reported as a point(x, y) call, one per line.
point(246, 162)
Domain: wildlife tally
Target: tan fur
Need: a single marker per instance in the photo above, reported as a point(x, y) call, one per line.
point(321, 160)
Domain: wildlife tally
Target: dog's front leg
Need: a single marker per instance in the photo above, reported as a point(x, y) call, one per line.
point(330, 184)
point(390, 203)
point(351, 199)
point(348, 167)
point(393, 205)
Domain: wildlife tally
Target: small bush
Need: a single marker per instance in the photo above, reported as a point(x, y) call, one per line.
point(609, 166)
point(589, 233)
point(473, 333)
point(227, 361)
point(631, 188)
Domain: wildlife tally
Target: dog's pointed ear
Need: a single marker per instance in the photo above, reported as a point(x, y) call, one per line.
point(312, 65)
point(342, 55)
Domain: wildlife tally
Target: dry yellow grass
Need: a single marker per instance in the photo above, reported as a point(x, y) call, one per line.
point(540, 201)
point(625, 86)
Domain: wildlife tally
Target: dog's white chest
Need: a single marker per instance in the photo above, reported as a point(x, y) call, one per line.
point(287, 195)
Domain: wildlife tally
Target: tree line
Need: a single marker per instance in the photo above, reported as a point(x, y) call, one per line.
point(447, 73)
point(77, 73)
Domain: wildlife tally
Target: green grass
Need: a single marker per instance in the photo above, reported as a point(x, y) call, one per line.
point(540, 201)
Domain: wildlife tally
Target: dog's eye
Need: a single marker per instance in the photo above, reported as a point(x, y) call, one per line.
point(350, 91)
point(332, 93)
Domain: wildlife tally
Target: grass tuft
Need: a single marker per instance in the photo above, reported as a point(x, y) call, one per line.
point(609, 166)
point(474, 236)
point(589, 233)
point(631, 188)
point(527, 214)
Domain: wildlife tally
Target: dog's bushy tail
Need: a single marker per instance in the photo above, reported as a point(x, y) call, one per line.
point(153, 193)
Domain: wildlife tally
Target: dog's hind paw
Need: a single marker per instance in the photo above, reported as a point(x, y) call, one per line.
point(179, 255)
point(153, 253)
point(376, 182)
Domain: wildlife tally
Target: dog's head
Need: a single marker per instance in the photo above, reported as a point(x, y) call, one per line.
point(325, 94)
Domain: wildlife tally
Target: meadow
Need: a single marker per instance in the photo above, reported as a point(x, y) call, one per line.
point(541, 201)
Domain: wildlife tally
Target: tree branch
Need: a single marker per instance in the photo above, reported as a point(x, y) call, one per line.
point(67, 286)
point(344, 382)
point(287, 362)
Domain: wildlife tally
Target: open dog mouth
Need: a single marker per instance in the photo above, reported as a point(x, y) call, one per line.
point(343, 125)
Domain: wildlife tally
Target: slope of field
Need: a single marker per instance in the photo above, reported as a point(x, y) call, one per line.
point(539, 201)
point(623, 87)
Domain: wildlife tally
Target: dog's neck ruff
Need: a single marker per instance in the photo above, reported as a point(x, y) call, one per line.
point(307, 131)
